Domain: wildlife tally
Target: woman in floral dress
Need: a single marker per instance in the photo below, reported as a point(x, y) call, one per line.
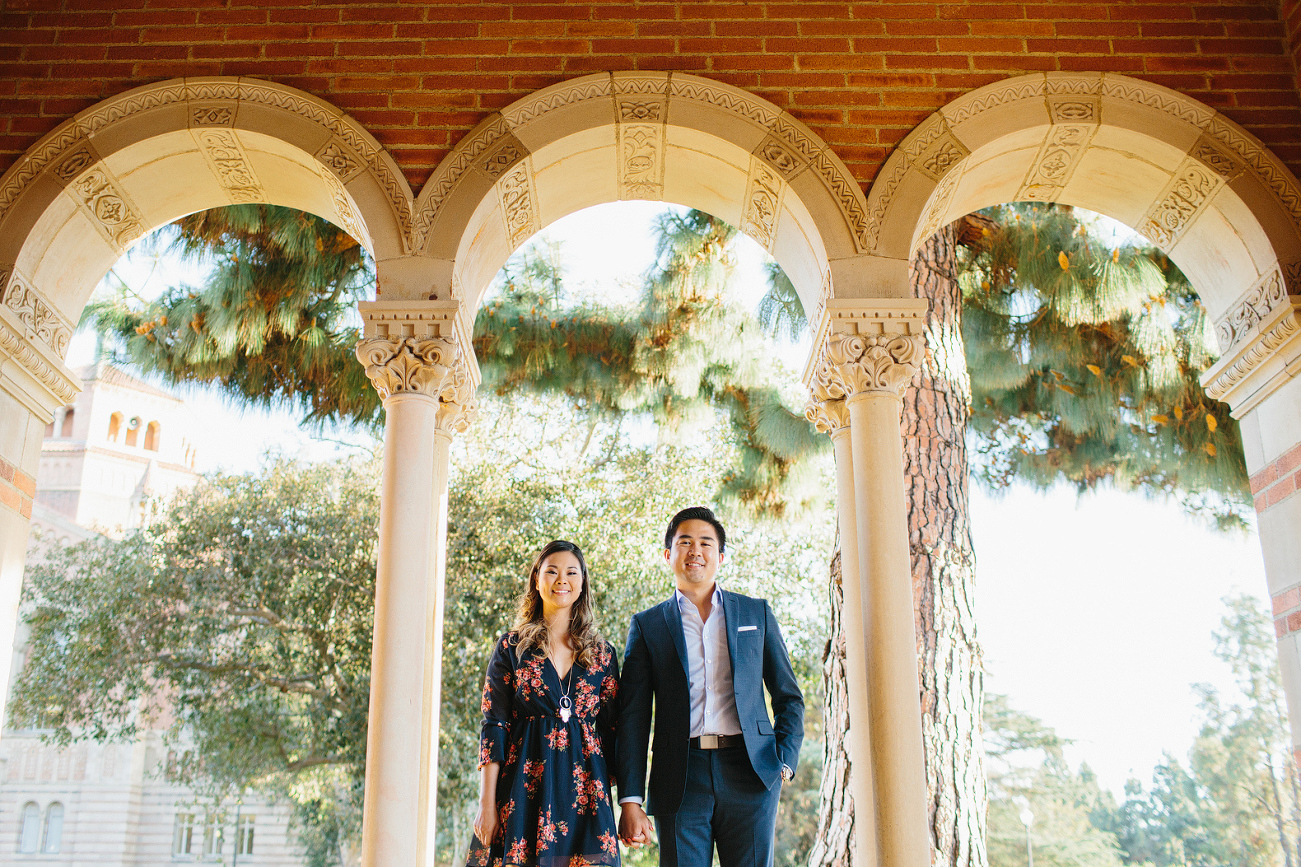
point(548, 729)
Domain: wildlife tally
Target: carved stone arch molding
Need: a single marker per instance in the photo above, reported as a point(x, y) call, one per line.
point(101, 180)
point(642, 135)
point(1202, 188)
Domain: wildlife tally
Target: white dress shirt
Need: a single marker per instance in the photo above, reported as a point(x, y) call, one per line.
point(709, 668)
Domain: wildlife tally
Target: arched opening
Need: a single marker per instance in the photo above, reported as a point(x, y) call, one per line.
point(115, 427)
point(65, 428)
point(52, 832)
point(29, 834)
point(133, 430)
point(151, 436)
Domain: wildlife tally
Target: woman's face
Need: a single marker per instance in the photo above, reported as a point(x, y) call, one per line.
point(559, 581)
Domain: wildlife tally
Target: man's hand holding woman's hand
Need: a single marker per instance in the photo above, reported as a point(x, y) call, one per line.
point(635, 828)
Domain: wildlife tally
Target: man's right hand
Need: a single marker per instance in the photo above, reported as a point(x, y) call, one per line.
point(635, 827)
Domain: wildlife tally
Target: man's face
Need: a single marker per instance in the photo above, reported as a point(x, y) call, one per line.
point(694, 556)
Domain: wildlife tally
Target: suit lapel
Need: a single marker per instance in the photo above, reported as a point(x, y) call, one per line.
point(673, 622)
point(731, 620)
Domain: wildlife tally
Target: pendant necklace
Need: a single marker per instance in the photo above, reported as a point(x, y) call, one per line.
point(565, 704)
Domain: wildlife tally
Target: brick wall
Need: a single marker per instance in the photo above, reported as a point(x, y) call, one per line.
point(420, 75)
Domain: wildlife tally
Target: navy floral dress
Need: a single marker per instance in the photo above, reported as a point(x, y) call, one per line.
point(555, 787)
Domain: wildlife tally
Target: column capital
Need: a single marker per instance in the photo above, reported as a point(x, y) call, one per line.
point(1265, 356)
point(415, 347)
point(864, 346)
point(828, 415)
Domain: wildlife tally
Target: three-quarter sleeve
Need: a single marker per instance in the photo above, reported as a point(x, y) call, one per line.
point(498, 694)
point(607, 718)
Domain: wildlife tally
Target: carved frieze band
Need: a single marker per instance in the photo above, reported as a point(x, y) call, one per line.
point(1180, 203)
point(1284, 329)
point(519, 204)
point(229, 164)
point(212, 105)
point(18, 347)
point(110, 211)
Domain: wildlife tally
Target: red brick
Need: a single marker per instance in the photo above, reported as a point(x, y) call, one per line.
point(25, 483)
point(1294, 621)
point(1286, 600)
point(1289, 460)
point(1280, 630)
point(11, 499)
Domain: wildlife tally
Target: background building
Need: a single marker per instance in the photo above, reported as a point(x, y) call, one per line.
point(120, 449)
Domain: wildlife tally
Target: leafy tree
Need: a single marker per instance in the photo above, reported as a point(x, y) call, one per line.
point(1236, 802)
point(1085, 357)
point(1028, 771)
point(245, 611)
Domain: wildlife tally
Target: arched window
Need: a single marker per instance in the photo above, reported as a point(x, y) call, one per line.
point(30, 834)
point(133, 430)
point(49, 429)
point(114, 427)
point(52, 836)
point(151, 436)
point(67, 423)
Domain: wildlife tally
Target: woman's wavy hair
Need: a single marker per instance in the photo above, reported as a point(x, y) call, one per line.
point(532, 629)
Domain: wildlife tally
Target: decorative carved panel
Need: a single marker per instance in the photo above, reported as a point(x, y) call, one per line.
point(230, 165)
point(1056, 161)
point(519, 204)
point(38, 319)
point(108, 207)
point(1180, 203)
point(1257, 305)
point(763, 200)
point(641, 161)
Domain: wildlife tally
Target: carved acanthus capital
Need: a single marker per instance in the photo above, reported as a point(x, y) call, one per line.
point(457, 406)
point(853, 364)
point(408, 365)
point(827, 415)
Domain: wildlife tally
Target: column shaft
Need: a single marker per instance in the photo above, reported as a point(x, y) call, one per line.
point(401, 749)
point(859, 739)
point(898, 761)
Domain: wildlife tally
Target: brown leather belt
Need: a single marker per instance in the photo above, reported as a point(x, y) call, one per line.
point(717, 742)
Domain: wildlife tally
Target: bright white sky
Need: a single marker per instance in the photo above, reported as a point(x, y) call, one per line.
point(1095, 615)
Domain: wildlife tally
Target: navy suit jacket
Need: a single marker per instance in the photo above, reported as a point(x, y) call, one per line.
point(655, 674)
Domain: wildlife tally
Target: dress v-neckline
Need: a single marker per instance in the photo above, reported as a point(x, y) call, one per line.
point(559, 677)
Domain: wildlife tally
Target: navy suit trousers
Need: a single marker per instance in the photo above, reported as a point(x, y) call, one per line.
point(725, 803)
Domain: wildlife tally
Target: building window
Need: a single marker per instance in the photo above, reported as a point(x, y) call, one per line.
point(198, 836)
point(30, 834)
point(66, 432)
point(244, 835)
point(151, 436)
point(114, 427)
point(133, 430)
point(183, 842)
point(52, 836)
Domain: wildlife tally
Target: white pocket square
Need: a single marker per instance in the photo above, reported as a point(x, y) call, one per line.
point(746, 628)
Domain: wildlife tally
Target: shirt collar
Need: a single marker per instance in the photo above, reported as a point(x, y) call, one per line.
point(716, 597)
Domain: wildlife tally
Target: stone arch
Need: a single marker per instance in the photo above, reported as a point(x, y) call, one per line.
point(96, 184)
point(641, 135)
point(1194, 182)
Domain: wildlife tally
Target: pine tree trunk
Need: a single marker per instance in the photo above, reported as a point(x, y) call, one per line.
point(832, 847)
point(935, 415)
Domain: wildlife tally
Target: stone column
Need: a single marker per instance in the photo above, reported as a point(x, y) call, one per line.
point(866, 353)
point(418, 358)
point(832, 417)
point(33, 384)
point(1259, 376)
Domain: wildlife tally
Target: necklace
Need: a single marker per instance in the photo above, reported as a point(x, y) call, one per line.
point(566, 706)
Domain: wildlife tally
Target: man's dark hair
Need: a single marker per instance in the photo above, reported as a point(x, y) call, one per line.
point(695, 513)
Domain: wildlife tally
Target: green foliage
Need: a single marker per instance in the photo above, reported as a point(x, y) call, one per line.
point(1084, 361)
point(1237, 800)
point(1027, 771)
point(244, 614)
point(274, 323)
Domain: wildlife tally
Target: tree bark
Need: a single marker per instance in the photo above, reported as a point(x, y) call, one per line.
point(833, 845)
point(935, 417)
point(934, 425)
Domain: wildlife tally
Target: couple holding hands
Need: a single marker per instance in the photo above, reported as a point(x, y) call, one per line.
point(560, 725)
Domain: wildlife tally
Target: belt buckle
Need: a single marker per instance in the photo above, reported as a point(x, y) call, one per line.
point(709, 742)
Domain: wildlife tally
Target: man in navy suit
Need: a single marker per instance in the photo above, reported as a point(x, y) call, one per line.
point(701, 660)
